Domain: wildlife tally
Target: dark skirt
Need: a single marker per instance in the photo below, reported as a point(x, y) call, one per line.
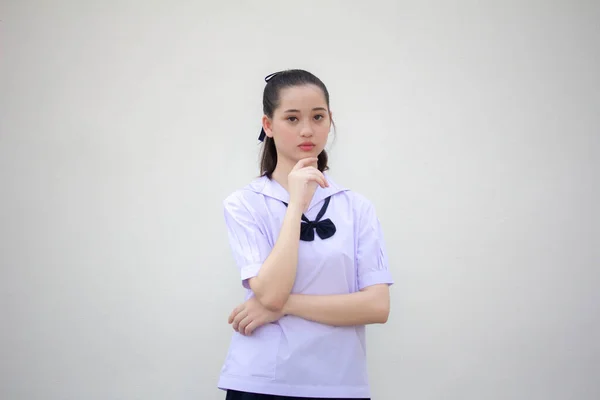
point(237, 395)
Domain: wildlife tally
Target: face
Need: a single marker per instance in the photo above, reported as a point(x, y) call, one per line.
point(300, 125)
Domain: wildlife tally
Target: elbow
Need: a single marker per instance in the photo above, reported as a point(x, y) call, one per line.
point(384, 317)
point(271, 300)
point(379, 300)
point(273, 303)
point(382, 314)
point(381, 310)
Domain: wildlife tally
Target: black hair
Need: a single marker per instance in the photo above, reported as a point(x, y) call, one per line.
point(275, 83)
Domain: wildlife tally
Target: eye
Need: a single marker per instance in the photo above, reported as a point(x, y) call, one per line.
point(319, 117)
point(292, 119)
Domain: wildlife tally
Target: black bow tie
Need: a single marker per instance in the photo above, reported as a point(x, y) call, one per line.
point(325, 229)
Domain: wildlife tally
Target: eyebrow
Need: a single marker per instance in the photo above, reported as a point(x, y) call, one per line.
point(314, 109)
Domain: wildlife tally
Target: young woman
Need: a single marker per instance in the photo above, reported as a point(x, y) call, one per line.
point(312, 261)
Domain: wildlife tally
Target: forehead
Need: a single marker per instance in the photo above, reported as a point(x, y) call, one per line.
point(301, 97)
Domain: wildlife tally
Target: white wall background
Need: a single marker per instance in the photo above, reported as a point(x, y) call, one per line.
point(473, 127)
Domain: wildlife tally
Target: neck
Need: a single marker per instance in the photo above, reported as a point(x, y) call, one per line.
point(282, 170)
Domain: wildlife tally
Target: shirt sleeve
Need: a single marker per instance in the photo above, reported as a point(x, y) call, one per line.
point(371, 255)
point(249, 245)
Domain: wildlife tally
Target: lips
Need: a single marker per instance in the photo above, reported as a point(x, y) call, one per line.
point(306, 146)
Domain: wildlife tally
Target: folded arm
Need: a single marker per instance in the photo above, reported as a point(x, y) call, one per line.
point(275, 279)
point(369, 306)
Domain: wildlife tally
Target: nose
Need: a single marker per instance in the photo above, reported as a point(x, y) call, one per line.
point(307, 130)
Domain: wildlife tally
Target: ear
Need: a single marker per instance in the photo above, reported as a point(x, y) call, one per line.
point(267, 126)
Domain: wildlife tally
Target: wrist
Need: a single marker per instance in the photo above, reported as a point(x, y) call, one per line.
point(288, 306)
point(295, 209)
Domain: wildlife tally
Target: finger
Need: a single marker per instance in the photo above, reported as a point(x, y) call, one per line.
point(304, 163)
point(231, 316)
point(250, 328)
point(234, 313)
point(315, 170)
point(324, 179)
point(243, 324)
point(236, 320)
point(318, 177)
point(310, 171)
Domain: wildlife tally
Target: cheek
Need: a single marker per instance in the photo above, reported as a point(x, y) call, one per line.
point(281, 128)
point(322, 131)
point(284, 134)
point(324, 126)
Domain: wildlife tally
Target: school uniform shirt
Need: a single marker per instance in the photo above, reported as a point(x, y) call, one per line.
point(294, 356)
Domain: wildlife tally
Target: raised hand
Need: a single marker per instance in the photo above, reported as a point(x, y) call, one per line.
point(303, 181)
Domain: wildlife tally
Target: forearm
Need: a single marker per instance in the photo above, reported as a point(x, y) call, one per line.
point(274, 282)
point(360, 308)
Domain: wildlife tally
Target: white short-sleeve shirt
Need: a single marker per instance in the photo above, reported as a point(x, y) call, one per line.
point(294, 356)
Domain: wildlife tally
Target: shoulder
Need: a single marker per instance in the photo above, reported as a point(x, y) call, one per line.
point(245, 198)
point(356, 200)
point(358, 207)
point(363, 208)
point(359, 200)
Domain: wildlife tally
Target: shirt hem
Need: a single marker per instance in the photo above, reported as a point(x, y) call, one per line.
point(268, 386)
